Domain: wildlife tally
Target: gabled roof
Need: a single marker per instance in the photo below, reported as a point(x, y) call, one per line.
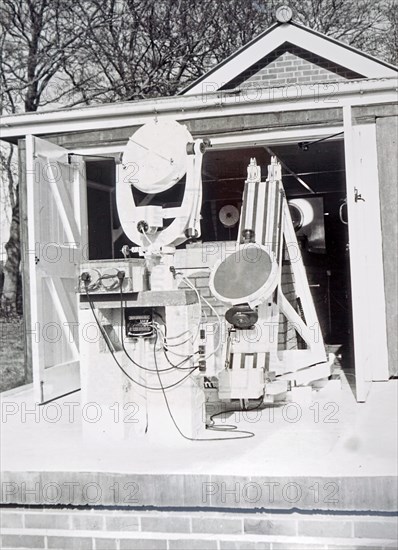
point(281, 37)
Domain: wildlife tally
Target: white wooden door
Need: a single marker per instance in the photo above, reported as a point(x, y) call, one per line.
point(57, 237)
point(366, 261)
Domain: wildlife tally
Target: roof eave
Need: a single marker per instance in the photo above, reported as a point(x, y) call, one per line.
point(182, 108)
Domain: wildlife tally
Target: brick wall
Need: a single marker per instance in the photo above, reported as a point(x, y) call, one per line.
point(287, 336)
point(201, 281)
point(289, 65)
point(100, 529)
point(291, 69)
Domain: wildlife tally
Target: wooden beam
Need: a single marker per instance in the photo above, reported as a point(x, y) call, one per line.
point(369, 113)
point(203, 127)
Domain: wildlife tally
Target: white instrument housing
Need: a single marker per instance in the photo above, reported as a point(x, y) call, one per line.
point(157, 155)
point(155, 159)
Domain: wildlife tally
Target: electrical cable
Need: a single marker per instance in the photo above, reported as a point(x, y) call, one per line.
point(245, 434)
point(171, 337)
point(305, 145)
point(219, 328)
point(228, 427)
point(188, 283)
point(284, 165)
point(105, 337)
point(126, 352)
point(177, 366)
point(146, 236)
point(199, 321)
point(168, 345)
point(122, 331)
point(345, 308)
point(167, 358)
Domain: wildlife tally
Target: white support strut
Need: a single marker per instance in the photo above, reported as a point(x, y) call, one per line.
point(257, 298)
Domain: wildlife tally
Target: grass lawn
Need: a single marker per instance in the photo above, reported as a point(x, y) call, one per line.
point(12, 342)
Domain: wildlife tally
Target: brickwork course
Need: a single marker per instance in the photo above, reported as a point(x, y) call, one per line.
point(288, 66)
point(96, 529)
point(291, 69)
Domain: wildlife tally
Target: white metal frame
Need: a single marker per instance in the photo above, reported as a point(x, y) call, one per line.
point(186, 216)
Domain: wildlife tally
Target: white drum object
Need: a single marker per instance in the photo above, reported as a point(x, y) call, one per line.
point(155, 157)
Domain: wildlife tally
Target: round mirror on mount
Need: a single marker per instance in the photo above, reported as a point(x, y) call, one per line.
point(156, 157)
point(247, 276)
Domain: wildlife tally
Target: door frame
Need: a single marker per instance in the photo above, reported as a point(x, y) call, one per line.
point(285, 136)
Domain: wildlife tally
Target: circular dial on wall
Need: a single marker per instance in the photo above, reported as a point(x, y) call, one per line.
point(284, 14)
point(229, 215)
point(155, 156)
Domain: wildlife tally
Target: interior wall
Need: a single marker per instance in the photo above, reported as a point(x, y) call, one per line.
point(100, 199)
point(223, 176)
point(322, 167)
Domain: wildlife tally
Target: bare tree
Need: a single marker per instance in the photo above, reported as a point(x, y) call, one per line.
point(12, 246)
point(90, 51)
point(35, 37)
point(387, 45)
point(364, 24)
point(135, 49)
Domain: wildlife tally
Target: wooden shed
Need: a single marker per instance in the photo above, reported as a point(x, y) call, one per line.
point(328, 111)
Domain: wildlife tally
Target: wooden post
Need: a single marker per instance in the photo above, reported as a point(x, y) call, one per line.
point(23, 212)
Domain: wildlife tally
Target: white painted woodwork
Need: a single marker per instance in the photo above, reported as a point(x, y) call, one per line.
point(215, 104)
point(57, 235)
point(366, 262)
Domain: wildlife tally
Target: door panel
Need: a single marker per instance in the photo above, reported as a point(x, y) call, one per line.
point(57, 233)
point(366, 263)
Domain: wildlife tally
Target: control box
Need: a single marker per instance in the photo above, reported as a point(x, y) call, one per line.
point(139, 322)
point(103, 276)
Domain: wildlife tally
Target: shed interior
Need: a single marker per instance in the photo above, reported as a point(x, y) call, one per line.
point(321, 168)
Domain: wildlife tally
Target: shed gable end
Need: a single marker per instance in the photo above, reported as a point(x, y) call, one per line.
point(304, 50)
point(290, 64)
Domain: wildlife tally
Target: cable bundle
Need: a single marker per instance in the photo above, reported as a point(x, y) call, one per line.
point(165, 348)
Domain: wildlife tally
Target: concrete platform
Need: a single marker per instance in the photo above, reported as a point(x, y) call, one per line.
point(333, 454)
